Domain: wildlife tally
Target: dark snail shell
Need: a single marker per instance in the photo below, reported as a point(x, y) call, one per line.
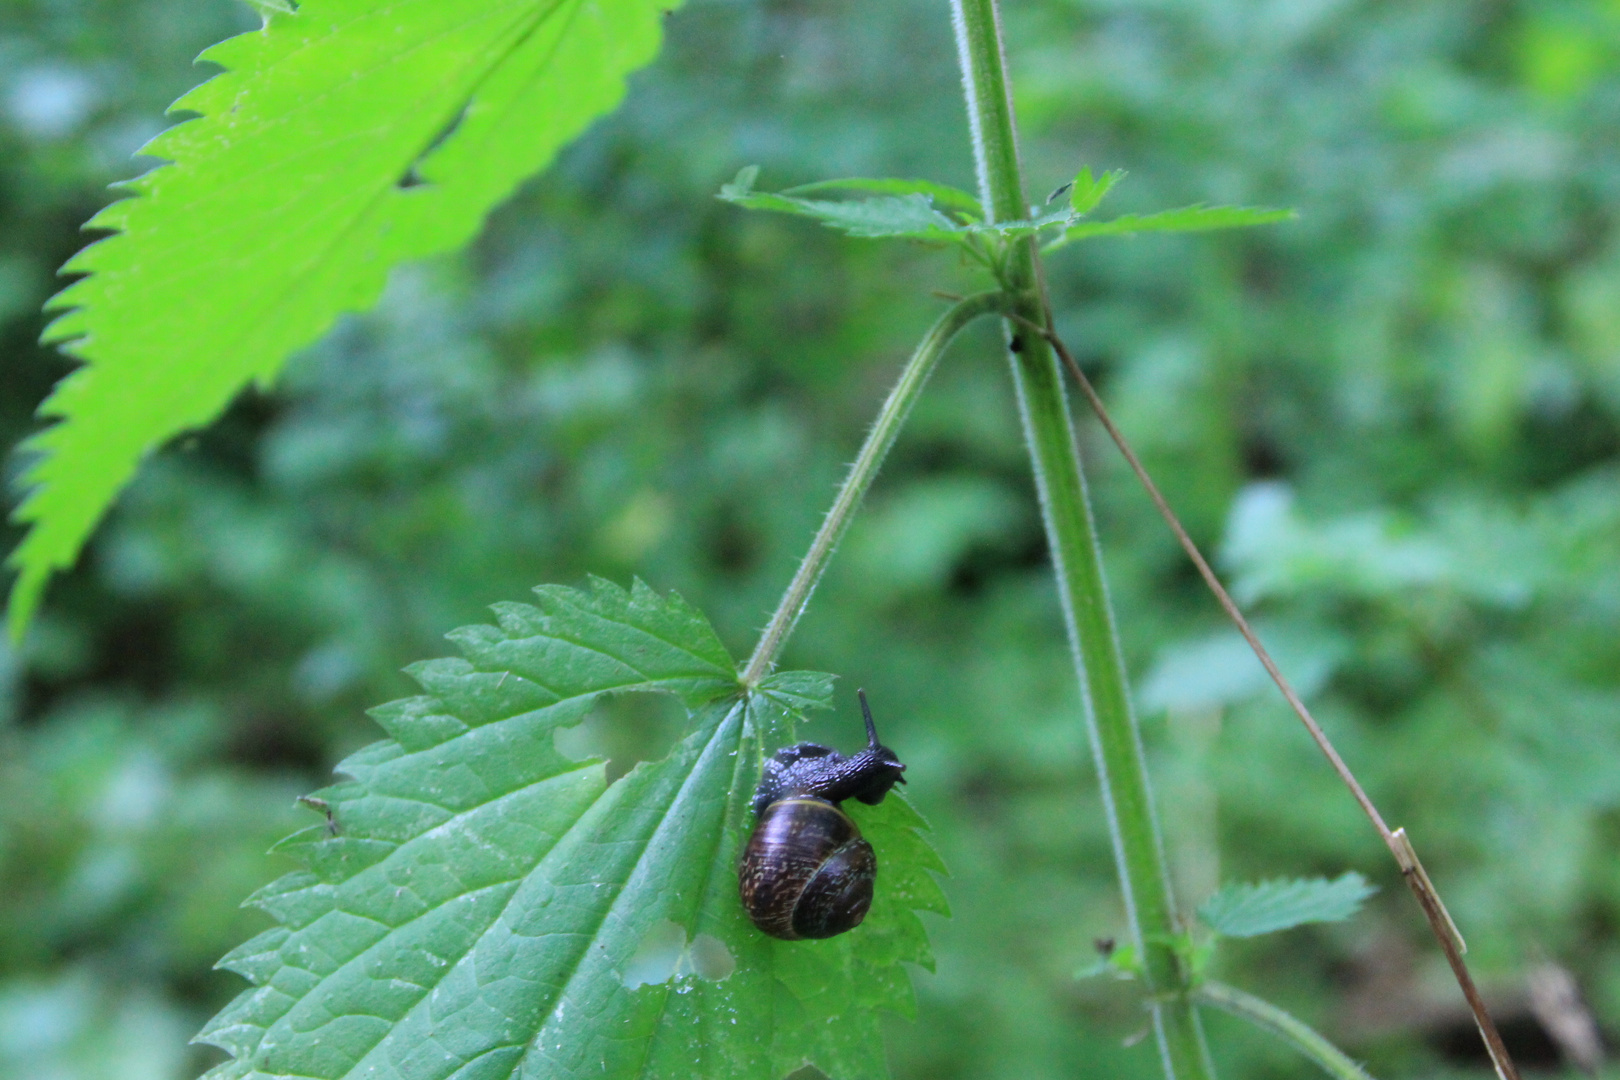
point(807, 873)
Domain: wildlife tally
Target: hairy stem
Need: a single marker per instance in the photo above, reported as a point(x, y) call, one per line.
point(1434, 909)
point(1116, 743)
point(861, 473)
point(1290, 1029)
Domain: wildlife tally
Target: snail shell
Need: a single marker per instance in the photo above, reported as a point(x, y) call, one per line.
point(807, 872)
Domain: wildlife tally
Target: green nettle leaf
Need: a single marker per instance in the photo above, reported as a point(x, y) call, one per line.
point(903, 209)
point(1252, 910)
point(1087, 191)
point(479, 905)
point(942, 194)
point(341, 139)
point(909, 215)
point(911, 210)
point(1183, 219)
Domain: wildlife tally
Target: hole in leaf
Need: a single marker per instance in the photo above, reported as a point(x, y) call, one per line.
point(664, 955)
point(625, 729)
point(710, 959)
point(412, 176)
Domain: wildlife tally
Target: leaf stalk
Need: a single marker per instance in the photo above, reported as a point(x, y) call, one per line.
point(1298, 1034)
point(884, 431)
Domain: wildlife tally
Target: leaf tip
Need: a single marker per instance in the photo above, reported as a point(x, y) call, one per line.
point(742, 185)
point(26, 593)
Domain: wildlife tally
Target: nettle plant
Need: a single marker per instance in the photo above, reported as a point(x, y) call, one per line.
point(474, 903)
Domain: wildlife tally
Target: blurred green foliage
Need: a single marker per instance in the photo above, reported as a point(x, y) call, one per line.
point(1396, 419)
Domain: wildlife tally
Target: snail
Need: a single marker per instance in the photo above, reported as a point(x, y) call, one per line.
point(807, 872)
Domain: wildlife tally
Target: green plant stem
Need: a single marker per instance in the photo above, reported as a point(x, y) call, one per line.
point(1116, 743)
point(1400, 845)
point(1289, 1028)
point(861, 473)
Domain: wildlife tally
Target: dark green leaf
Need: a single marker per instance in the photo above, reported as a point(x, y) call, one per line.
point(481, 905)
point(1251, 910)
point(799, 690)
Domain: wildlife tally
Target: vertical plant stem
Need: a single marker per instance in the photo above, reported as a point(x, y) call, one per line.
point(1116, 743)
point(861, 473)
point(1400, 846)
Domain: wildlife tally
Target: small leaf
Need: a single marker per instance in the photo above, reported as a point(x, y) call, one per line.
point(909, 216)
point(1250, 910)
point(799, 690)
point(483, 906)
point(1117, 961)
point(1087, 191)
point(1026, 226)
point(1185, 219)
point(942, 194)
point(742, 184)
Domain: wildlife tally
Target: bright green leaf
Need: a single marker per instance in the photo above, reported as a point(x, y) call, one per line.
point(341, 139)
point(1251, 910)
point(1087, 190)
point(942, 194)
point(1184, 219)
point(909, 216)
point(480, 905)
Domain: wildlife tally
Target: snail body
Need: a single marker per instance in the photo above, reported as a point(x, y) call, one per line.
point(806, 871)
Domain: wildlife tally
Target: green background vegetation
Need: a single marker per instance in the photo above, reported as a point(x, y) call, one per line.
point(1396, 419)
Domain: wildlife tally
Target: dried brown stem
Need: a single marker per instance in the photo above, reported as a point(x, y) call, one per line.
point(1445, 931)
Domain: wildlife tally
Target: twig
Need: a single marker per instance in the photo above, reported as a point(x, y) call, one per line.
point(1440, 922)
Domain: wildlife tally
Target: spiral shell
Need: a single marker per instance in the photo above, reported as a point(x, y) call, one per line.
point(807, 872)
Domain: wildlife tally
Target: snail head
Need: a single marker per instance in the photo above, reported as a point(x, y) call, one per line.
point(876, 768)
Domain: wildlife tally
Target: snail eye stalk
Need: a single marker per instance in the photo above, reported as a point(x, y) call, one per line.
point(871, 728)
